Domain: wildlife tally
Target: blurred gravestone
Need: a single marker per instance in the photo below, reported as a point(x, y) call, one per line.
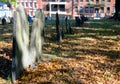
point(11, 20)
point(3, 21)
point(37, 36)
point(59, 30)
point(68, 26)
point(66, 23)
point(57, 27)
point(83, 19)
point(77, 21)
point(26, 52)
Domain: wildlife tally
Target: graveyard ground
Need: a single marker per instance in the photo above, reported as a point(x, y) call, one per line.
point(91, 55)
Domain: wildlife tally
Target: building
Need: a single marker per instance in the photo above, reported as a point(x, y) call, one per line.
point(30, 5)
point(5, 11)
point(95, 8)
point(72, 8)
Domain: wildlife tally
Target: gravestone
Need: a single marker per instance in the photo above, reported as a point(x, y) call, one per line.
point(27, 46)
point(68, 26)
point(11, 20)
point(57, 27)
point(77, 21)
point(37, 36)
point(3, 21)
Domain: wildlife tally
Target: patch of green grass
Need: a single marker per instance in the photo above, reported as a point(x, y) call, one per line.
point(67, 36)
point(9, 79)
point(102, 27)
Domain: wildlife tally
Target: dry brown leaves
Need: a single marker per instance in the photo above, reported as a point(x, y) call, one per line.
point(85, 58)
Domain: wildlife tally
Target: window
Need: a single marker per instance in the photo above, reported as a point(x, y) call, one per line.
point(91, 10)
point(35, 5)
point(108, 0)
point(62, 7)
point(26, 4)
point(47, 7)
point(102, 10)
point(30, 4)
point(76, 9)
point(76, 0)
point(81, 0)
point(22, 3)
point(108, 10)
point(86, 10)
point(113, 9)
point(81, 9)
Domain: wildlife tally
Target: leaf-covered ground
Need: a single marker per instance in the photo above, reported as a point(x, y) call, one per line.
point(91, 55)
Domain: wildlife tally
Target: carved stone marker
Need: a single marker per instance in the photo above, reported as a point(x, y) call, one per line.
point(68, 26)
point(57, 27)
point(27, 46)
point(3, 21)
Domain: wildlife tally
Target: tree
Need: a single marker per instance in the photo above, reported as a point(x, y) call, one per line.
point(12, 2)
point(117, 10)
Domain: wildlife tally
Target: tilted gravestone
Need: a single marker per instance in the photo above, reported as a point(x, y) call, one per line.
point(27, 46)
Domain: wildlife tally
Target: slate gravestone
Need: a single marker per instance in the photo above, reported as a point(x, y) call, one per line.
point(3, 21)
point(26, 50)
point(37, 36)
point(68, 26)
point(57, 27)
point(11, 20)
point(59, 30)
point(77, 21)
point(66, 23)
point(20, 43)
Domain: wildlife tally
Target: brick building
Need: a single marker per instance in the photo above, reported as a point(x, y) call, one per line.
point(72, 8)
point(30, 5)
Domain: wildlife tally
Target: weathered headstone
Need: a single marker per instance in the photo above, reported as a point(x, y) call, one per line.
point(57, 27)
point(66, 23)
point(77, 21)
point(23, 56)
point(3, 21)
point(82, 19)
point(68, 26)
point(37, 36)
point(20, 43)
point(11, 20)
